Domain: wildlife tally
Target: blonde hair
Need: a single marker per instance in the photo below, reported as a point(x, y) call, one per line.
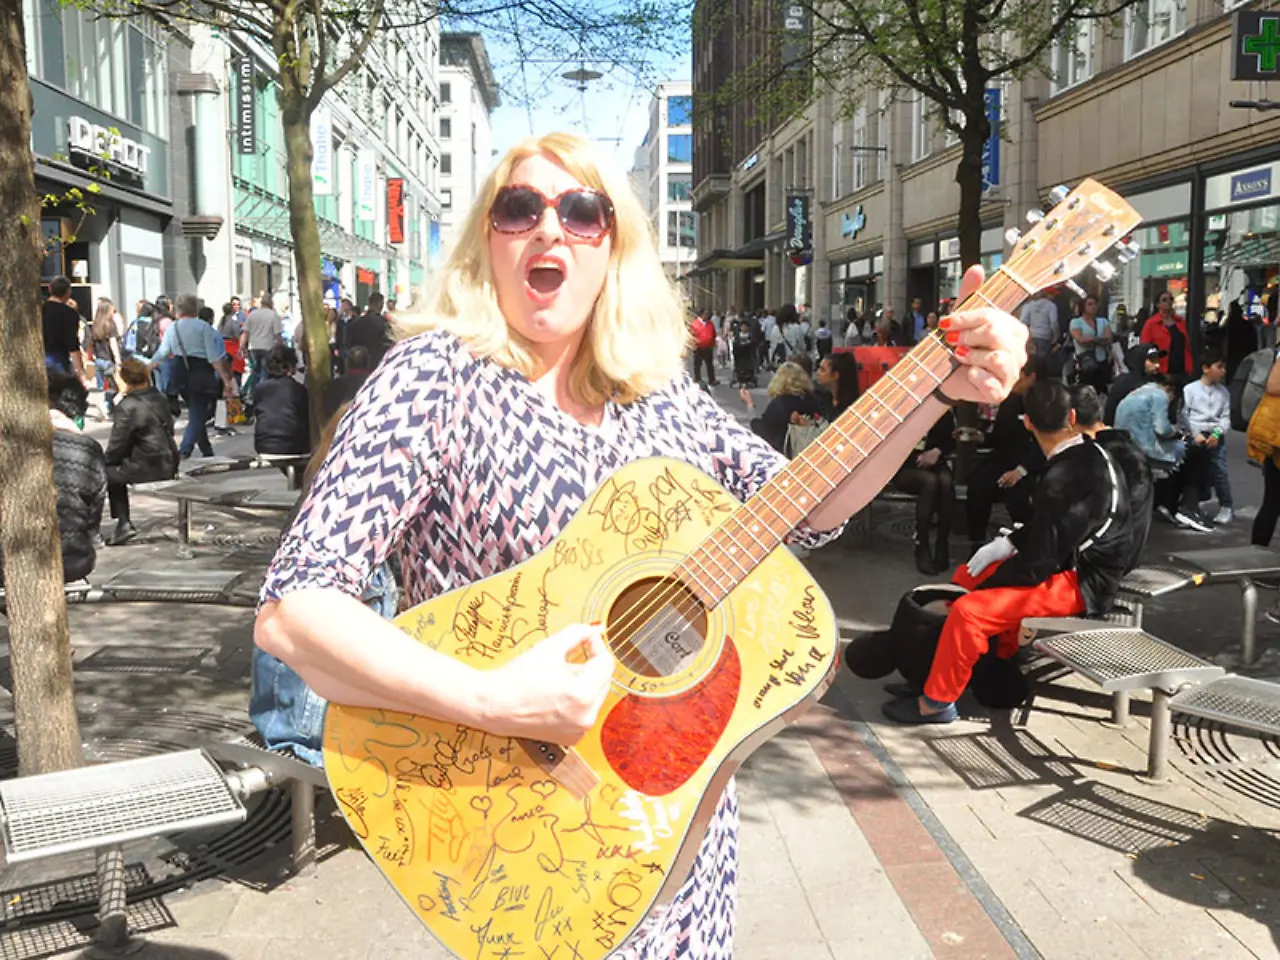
point(636, 336)
point(790, 380)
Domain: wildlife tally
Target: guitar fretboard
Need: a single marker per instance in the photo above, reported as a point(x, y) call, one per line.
point(757, 527)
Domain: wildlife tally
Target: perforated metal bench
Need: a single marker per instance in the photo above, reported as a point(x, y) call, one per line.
point(1123, 659)
point(1244, 565)
point(1235, 701)
point(232, 588)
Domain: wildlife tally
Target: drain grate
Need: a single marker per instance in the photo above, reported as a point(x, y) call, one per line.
point(1226, 759)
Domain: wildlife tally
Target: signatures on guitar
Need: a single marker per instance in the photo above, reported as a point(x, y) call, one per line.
point(645, 518)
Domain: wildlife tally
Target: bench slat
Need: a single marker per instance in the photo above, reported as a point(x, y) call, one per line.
point(1126, 659)
point(1236, 701)
point(113, 803)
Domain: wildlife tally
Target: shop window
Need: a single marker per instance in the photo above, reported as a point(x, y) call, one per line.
point(680, 148)
point(679, 187)
point(859, 148)
point(681, 229)
point(1152, 22)
point(1072, 56)
point(679, 111)
point(1161, 267)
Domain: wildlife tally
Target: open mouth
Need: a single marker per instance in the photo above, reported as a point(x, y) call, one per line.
point(545, 277)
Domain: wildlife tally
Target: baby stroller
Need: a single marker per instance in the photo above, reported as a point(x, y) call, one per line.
point(744, 356)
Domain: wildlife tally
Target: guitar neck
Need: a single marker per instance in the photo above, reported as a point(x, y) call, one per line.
point(757, 527)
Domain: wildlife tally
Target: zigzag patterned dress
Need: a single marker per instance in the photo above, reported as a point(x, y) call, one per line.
point(457, 469)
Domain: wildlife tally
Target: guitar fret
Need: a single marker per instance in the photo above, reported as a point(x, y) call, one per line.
point(867, 423)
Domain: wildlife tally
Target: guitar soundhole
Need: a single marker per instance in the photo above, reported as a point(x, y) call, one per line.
point(656, 627)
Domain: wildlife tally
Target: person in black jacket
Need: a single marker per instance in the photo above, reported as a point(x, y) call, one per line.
point(1143, 362)
point(927, 475)
point(792, 401)
point(1067, 561)
point(1008, 473)
point(282, 422)
point(141, 448)
point(79, 476)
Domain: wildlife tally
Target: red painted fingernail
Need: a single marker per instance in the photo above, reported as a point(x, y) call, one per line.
point(953, 337)
point(945, 323)
point(597, 623)
point(962, 351)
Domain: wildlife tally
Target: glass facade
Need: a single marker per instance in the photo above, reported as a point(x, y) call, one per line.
point(679, 187)
point(680, 148)
point(679, 111)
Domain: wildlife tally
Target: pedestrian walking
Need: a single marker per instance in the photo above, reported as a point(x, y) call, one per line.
point(141, 448)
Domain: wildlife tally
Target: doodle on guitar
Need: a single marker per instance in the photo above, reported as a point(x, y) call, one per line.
point(510, 847)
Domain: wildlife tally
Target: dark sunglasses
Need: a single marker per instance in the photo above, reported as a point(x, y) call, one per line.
point(584, 213)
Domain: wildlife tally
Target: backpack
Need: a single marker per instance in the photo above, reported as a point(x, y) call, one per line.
point(1248, 385)
point(704, 333)
point(142, 337)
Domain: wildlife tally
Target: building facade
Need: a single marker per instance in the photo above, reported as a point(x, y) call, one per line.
point(1142, 106)
point(663, 177)
point(468, 97)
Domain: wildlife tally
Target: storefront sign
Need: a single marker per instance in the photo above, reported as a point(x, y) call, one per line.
point(750, 162)
point(795, 38)
point(1248, 186)
point(322, 152)
point(799, 230)
point(88, 141)
point(395, 209)
point(991, 146)
point(1255, 45)
point(246, 105)
point(851, 226)
point(366, 184)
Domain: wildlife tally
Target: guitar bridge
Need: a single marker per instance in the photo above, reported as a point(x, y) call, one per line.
point(563, 764)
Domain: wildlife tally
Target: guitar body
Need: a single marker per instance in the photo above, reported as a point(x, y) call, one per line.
point(496, 851)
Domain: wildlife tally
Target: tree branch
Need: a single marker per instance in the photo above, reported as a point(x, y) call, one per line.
point(325, 81)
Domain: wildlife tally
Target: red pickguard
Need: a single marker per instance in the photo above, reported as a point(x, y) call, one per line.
point(656, 744)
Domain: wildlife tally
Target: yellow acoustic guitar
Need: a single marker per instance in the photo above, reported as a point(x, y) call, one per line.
point(508, 848)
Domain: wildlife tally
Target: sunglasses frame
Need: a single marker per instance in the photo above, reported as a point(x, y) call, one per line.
point(554, 204)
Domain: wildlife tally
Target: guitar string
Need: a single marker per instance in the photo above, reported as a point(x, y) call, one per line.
point(660, 595)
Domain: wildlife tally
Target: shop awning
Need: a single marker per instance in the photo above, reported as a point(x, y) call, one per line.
point(1257, 251)
point(267, 216)
point(749, 256)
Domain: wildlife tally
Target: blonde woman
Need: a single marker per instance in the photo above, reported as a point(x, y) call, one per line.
point(791, 400)
point(550, 355)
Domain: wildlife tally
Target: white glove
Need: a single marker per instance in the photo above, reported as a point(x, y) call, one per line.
point(999, 549)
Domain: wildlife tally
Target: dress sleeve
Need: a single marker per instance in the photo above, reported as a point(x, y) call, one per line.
point(384, 464)
point(742, 462)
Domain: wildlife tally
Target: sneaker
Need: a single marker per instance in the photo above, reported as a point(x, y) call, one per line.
point(1165, 514)
point(1225, 515)
point(1193, 521)
point(123, 533)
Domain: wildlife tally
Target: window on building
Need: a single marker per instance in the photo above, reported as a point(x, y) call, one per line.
point(446, 164)
point(446, 93)
point(882, 133)
point(681, 229)
point(837, 160)
point(859, 148)
point(446, 199)
point(921, 134)
point(446, 128)
point(679, 111)
point(679, 187)
point(1071, 59)
point(680, 148)
point(1152, 22)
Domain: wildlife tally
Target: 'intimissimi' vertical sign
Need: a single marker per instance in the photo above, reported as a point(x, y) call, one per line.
point(246, 105)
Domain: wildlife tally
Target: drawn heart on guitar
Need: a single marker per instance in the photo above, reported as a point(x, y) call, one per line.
point(482, 805)
point(543, 788)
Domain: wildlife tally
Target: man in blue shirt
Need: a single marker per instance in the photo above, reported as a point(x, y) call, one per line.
point(917, 323)
point(197, 360)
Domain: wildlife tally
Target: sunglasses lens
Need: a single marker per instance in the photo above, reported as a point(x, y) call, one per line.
point(516, 209)
point(585, 214)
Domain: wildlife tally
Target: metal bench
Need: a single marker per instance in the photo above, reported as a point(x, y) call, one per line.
point(1235, 701)
point(233, 588)
point(1123, 659)
point(1243, 565)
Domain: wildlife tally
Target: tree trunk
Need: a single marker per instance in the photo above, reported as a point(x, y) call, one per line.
point(306, 242)
point(969, 178)
point(48, 734)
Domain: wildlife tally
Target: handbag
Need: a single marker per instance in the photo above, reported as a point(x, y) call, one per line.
point(1263, 435)
point(195, 375)
point(799, 436)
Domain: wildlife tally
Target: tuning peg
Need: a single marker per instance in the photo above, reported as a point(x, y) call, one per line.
point(1104, 270)
point(1086, 250)
point(1012, 236)
point(1127, 250)
point(1059, 193)
point(1074, 288)
point(1035, 216)
point(1060, 267)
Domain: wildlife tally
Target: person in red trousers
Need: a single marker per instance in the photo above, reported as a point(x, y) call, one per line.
point(1067, 561)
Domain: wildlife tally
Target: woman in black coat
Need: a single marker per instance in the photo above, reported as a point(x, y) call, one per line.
point(282, 423)
point(141, 448)
point(927, 475)
point(791, 401)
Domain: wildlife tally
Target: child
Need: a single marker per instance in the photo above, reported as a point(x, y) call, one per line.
point(1206, 417)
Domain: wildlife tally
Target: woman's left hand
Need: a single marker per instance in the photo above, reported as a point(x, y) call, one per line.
point(990, 344)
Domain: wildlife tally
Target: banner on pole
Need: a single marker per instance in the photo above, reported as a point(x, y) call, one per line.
point(395, 209)
point(991, 148)
point(366, 184)
point(322, 152)
point(246, 105)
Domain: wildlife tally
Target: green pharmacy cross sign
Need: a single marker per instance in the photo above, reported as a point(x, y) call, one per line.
point(1255, 44)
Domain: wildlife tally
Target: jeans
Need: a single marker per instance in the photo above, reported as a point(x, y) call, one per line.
point(1219, 476)
point(257, 373)
point(160, 375)
point(117, 495)
point(199, 410)
point(287, 712)
point(104, 381)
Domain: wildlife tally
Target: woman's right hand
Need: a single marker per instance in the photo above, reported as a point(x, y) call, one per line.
point(745, 396)
point(549, 692)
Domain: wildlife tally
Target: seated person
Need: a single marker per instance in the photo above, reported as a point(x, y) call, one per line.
point(792, 401)
point(282, 420)
point(1008, 472)
point(342, 390)
point(1144, 415)
point(1143, 362)
point(927, 475)
point(141, 448)
point(837, 385)
point(1067, 561)
point(79, 476)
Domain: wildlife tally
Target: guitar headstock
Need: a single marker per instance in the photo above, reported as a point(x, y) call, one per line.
point(1084, 224)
